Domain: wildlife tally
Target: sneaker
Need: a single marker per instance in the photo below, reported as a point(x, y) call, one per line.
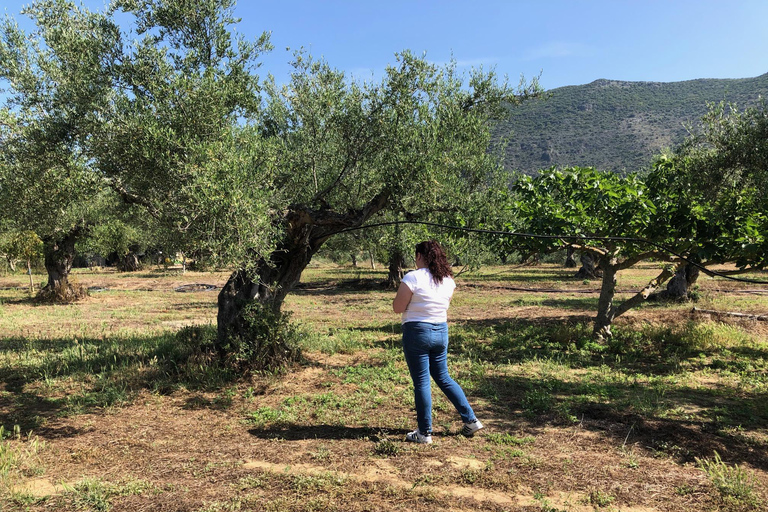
point(418, 437)
point(470, 428)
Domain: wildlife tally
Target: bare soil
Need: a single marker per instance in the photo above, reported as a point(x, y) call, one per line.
point(196, 450)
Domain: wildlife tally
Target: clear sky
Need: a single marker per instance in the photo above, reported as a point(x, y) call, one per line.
point(568, 42)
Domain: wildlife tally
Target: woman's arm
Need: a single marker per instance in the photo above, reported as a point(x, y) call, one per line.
point(402, 299)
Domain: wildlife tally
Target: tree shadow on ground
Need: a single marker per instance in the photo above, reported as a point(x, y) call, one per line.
point(23, 301)
point(569, 339)
point(192, 305)
point(637, 413)
point(112, 370)
point(351, 287)
point(525, 275)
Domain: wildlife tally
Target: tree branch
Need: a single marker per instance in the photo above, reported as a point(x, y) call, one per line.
point(130, 198)
point(731, 272)
point(643, 294)
point(587, 248)
point(642, 256)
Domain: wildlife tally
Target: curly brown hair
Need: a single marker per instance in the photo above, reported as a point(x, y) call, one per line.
point(435, 259)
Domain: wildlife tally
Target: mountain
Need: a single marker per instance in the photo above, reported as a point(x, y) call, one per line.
point(613, 125)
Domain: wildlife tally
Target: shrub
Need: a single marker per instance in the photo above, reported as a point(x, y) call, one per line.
point(265, 340)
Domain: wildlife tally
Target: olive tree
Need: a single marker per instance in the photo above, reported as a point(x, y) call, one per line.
point(59, 84)
point(415, 143)
point(174, 119)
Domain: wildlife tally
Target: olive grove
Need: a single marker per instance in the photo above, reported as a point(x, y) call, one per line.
point(166, 113)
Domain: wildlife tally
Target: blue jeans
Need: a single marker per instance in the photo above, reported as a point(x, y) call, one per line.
point(426, 351)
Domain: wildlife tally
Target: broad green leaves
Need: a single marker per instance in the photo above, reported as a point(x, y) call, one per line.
point(581, 202)
point(711, 193)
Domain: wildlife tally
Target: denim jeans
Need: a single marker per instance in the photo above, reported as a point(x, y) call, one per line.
point(426, 351)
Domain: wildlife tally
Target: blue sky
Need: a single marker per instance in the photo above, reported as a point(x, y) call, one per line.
point(568, 42)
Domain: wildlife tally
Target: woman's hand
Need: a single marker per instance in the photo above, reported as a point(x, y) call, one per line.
point(402, 299)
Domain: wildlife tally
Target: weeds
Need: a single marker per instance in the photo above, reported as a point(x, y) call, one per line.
point(96, 495)
point(386, 448)
point(91, 494)
point(18, 455)
point(538, 401)
point(735, 484)
point(599, 498)
point(508, 439)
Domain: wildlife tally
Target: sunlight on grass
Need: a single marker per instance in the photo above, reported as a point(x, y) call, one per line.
point(527, 361)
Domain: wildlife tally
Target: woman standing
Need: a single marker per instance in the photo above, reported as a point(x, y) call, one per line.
point(423, 299)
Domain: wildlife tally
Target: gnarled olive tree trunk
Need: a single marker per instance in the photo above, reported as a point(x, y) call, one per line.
point(679, 286)
point(271, 279)
point(59, 254)
point(570, 260)
point(590, 266)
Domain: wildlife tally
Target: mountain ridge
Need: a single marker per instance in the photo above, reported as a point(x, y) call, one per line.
point(613, 125)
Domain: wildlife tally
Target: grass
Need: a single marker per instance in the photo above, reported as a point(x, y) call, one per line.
point(735, 484)
point(18, 457)
point(110, 382)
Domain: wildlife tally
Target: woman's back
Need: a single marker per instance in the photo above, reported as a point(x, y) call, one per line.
point(430, 300)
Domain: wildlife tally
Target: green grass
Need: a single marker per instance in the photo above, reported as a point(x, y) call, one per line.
point(735, 484)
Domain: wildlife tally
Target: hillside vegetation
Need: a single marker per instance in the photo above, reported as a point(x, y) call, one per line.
point(613, 125)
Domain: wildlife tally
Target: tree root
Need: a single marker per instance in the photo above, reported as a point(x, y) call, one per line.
point(62, 294)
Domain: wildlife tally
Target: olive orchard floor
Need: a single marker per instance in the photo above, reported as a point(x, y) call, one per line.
point(571, 425)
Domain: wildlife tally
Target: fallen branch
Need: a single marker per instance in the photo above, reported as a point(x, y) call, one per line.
point(763, 318)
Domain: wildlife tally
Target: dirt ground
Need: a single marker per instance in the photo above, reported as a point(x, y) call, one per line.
point(201, 450)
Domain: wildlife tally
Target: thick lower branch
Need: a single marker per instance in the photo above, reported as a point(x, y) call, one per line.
point(643, 294)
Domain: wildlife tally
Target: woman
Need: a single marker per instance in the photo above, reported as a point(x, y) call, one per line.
point(423, 299)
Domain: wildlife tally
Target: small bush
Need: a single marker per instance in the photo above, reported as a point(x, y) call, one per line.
point(263, 340)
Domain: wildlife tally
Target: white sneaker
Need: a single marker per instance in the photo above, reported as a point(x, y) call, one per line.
point(470, 428)
point(418, 437)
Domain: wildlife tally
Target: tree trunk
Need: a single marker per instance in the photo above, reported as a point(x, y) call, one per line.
point(59, 255)
point(129, 263)
point(570, 261)
point(679, 286)
point(606, 311)
point(268, 283)
point(29, 273)
point(588, 268)
point(396, 269)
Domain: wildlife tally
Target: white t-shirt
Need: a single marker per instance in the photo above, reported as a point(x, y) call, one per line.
point(430, 301)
